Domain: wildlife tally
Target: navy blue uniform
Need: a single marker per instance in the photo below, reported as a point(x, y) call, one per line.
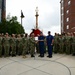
point(41, 45)
point(49, 39)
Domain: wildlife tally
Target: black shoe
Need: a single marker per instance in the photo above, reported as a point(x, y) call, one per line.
point(42, 55)
point(73, 54)
point(49, 56)
point(55, 52)
point(32, 56)
point(13, 55)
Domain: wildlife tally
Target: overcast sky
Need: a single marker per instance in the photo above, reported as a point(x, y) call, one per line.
point(49, 14)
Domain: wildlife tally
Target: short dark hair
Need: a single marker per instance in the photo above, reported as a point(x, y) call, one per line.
point(49, 32)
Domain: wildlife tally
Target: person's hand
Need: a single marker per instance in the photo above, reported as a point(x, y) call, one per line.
point(51, 44)
point(36, 41)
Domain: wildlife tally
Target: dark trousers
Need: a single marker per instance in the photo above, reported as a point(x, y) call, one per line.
point(41, 48)
point(50, 47)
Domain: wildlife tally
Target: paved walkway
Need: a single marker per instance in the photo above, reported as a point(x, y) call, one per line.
point(59, 64)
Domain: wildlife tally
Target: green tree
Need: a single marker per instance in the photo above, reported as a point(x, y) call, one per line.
point(11, 26)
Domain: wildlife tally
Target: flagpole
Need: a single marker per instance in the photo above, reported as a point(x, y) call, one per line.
point(21, 20)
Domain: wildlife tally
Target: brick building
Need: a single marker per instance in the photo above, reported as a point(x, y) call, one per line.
point(67, 8)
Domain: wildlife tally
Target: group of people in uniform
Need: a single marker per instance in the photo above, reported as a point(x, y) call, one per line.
point(64, 43)
point(23, 44)
point(16, 45)
point(12, 45)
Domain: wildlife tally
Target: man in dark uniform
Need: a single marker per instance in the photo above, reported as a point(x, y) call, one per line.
point(41, 44)
point(50, 40)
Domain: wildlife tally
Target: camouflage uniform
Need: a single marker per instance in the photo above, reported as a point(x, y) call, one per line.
point(19, 45)
point(56, 44)
point(13, 46)
point(37, 47)
point(60, 44)
point(25, 45)
point(32, 45)
point(6, 45)
point(73, 46)
point(71, 41)
point(64, 43)
point(0, 46)
point(68, 45)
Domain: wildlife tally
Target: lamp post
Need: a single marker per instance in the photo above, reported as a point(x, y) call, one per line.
point(22, 16)
point(36, 17)
point(3, 10)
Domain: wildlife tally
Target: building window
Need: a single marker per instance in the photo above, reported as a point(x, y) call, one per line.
point(62, 8)
point(67, 27)
point(62, 1)
point(69, 2)
point(67, 20)
point(67, 11)
point(62, 14)
point(61, 21)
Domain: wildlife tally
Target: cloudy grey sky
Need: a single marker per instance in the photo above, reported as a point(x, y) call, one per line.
point(49, 14)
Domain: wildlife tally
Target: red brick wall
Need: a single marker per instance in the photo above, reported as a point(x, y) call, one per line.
point(71, 15)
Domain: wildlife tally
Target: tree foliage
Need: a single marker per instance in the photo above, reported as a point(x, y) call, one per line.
point(11, 26)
